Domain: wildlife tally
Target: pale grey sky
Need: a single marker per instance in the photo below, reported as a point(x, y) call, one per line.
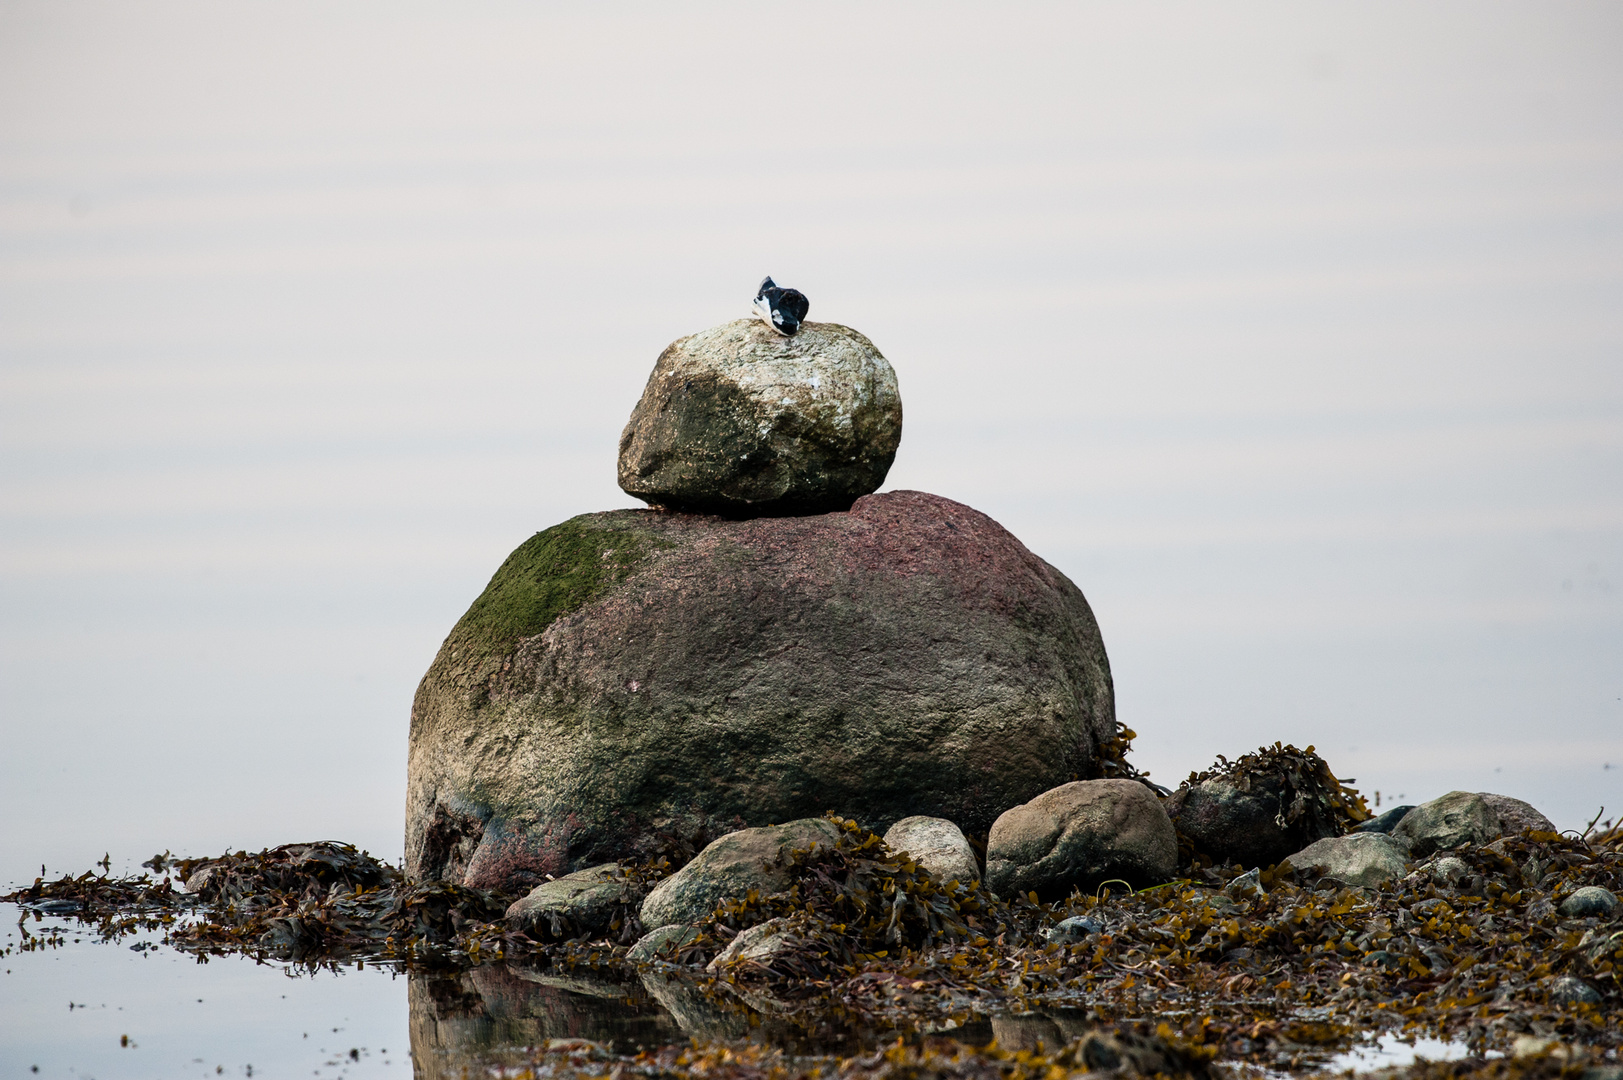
point(1291, 332)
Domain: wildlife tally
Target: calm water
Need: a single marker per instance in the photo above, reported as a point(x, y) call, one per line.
point(83, 1009)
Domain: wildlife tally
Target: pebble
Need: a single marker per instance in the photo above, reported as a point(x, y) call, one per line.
point(1076, 928)
point(1590, 900)
point(1568, 990)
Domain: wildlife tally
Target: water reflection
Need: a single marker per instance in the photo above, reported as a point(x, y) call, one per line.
point(496, 1010)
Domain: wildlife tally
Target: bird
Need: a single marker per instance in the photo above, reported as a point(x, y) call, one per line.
point(781, 309)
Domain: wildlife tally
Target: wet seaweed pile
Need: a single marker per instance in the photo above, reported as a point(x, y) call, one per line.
point(1273, 969)
point(321, 904)
point(1100, 1053)
point(1311, 801)
point(855, 903)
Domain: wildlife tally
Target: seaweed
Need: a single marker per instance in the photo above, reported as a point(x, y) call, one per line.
point(1277, 969)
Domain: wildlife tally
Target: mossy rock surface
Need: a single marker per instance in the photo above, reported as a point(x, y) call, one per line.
point(635, 676)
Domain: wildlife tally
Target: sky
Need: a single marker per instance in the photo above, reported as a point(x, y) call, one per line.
point(1291, 332)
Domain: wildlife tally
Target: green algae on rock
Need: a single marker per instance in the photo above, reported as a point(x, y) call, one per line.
point(550, 575)
point(906, 657)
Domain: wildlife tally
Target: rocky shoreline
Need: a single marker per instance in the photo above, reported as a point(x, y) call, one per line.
point(796, 760)
point(790, 935)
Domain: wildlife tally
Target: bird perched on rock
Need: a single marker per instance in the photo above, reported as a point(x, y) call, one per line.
point(783, 309)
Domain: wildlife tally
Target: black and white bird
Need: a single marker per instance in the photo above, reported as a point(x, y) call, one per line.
point(782, 309)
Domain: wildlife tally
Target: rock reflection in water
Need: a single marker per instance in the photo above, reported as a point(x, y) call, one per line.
point(471, 1016)
point(488, 1013)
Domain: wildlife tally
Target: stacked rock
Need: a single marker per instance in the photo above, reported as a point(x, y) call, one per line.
point(746, 422)
point(769, 641)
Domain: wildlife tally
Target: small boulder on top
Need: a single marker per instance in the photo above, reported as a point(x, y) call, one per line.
point(743, 421)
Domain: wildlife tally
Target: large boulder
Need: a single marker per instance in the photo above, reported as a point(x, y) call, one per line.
point(1080, 835)
point(637, 672)
point(740, 420)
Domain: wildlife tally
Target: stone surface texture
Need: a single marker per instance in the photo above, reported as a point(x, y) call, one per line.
point(1080, 835)
point(584, 900)
point(1232, 823)
point(757, 944)
point(1515, 816)
point(1386, 822)
point(661, 944)
point(731, 867)
point(1591, 900)
point(742, 421)
point(1448, 821)
point(638, 672)
point(1362, 859)
point(937, 845)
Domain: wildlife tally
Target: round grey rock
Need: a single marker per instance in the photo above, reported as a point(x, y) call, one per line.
point(730, 868)
point(1568, 990)
point(1072, 930)
point(1385, 822)
point(1080, 835)
point(1242, 819)
point(1361, 859)
point(1516, 816)
point(662, 943)
point(742, 421)
point(640, 672)
point(1447, 822)
point(584, 901)
point(937, 845)
point(758, 944)
point(1591, 900)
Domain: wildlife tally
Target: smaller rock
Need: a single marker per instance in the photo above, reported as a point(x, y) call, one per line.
point(1515, 816)
point(584, 901)
point(937, 845)
point(1447, 871)
point(1532, 1046)
point(1590, 900)
point(662, 944)
point(1361, 859)
point(1080, 835)
point(1070, 931)
point(1247, 886)
point(1386, 822)
point(731, 867)
point(758, 944)
point(1567, 990)
point(1446, 822)
point(1257, 810)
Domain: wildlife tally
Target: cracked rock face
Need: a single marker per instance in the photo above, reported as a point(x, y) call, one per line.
point(636, 673)
point(744, 422)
